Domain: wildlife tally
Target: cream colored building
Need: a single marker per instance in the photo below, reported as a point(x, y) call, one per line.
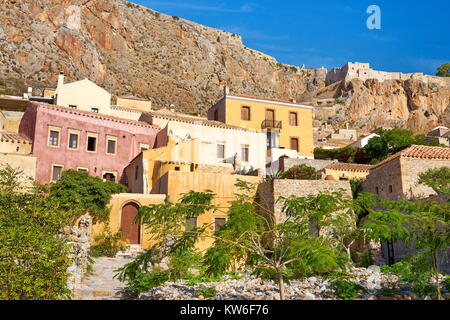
point(134, 103)
point(82, 95)
point(216, 142)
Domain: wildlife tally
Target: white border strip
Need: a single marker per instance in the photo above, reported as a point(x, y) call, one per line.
point(271, 102)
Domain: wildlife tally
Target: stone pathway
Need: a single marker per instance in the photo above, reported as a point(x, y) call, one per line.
point(101, 285)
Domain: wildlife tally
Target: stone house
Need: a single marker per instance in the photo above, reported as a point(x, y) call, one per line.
point(396, 177)
point(347, 171)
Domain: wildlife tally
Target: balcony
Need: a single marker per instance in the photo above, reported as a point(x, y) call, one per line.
point(271, 124)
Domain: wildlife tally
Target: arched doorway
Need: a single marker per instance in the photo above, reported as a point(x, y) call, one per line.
point(130, 230)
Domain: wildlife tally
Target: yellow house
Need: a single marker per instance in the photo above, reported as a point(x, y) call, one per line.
point(173, 169)
point(288, 126)
point(347, 171)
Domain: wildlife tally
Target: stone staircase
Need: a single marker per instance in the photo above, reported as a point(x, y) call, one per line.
point(101, 284)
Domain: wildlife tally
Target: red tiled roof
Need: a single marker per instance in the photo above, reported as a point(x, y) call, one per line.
point(164, 114)
point(349, 167)
point(14, 137)
point(268, 99)
point(95, 115)
point(419, 152)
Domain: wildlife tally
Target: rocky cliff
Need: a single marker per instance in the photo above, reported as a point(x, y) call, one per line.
point(370, 104)
point(127, 48)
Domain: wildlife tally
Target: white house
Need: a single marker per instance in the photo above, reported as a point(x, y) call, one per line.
point(361, 143)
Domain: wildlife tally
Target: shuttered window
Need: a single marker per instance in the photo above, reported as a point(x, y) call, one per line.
point(294, 144)
point(293, 120)
point(245, 113)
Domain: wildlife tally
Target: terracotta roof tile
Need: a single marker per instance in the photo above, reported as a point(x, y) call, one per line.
point(14, 137)
point(191, 119)
point(420, 152)
point(95, 115)
point(349, 167)
point(268, 99)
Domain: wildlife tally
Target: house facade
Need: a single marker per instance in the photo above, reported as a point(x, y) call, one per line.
point(65, 138)
point(82, 95)
point(215, 142)
point(287, 126)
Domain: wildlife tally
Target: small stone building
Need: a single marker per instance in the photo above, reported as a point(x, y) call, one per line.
point(396, 177)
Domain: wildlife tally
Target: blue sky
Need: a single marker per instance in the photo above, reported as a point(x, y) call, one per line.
point(414, 34)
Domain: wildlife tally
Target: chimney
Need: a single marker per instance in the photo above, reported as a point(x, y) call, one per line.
point(60, 79)
point(226, 91)
point(294, 100)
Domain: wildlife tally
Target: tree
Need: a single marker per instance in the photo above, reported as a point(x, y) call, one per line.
point(390, 142)
point(444, 70)
point(376, 148)
point(423, 224)
point(301, 172)
point(438, 179)
point(33, 260)
point(251, 237)
point(78, 192)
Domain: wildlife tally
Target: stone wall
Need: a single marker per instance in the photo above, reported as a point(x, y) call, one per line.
point(362, 71)
point(270, 191)
point(287, 163)
point(79, 236)
point(397, 179)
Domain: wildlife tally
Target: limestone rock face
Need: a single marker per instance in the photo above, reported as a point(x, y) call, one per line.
point(410, 104)
point(130, 49)
point(127, 48)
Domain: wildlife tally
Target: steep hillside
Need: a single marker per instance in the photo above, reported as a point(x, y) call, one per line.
point(128, 48)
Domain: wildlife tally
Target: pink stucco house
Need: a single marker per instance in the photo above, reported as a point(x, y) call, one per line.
point(65, 138)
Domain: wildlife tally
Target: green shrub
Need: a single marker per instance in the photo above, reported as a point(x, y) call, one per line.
point(339, 101)
point(108, 244)
point(301, 172)
point(446, 283)
point(347, 290)
point(148, 280)
point(206, 292)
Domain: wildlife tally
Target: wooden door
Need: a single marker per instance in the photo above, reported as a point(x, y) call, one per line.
point(130, 230)
point(294, 144)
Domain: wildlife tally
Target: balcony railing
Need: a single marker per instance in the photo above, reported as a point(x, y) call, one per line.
point(271, 124)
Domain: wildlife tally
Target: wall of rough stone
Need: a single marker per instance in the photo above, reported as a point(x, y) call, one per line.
point(411, 168)
point(362, 71)
point(79, 236)
point(287, 163)
point(270, 191)
point(389, 174)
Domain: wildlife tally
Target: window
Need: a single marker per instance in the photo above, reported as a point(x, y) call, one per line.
point(191, 224)
point(294, 144)
point(56, 172)
point(293, 121)
point(95, 110)
point(177, 168)
point(91, 145)
point(111, 143)
point(72, 106)
point(271, 140)
point(377, 191)
point(245, 113)
point(220, 151)
point(109, 176)
point(53, 136)
point(82, 169)
point(391, 189)
point(73, 140)
point(245, 153)
point(219, 223)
